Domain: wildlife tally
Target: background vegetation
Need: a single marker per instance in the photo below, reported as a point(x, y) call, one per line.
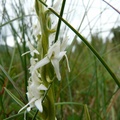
point(87, 92)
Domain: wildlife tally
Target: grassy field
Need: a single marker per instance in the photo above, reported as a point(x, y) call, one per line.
point(89, 92)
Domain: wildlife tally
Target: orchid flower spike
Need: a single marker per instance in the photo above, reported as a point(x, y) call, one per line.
point(36, 88)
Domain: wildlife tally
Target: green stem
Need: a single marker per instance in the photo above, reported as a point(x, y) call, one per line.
point(43, 42)
point(97, 89)
point(51, 110)
point(12, 82)
point(25, 60)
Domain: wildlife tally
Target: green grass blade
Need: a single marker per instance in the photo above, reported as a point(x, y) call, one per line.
point(69, 103)
point(21, 104)
point(12, 82)
point(87, 116)
point(78, 104)
point(59, 22)
point(14, 116)
point(11, 62)
point(10, 21)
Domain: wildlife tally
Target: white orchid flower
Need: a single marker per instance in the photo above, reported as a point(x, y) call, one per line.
point(35, 87)
point(36, 75)
point(54, 55)
point(35, 96)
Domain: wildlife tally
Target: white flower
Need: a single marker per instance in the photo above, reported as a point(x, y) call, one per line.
point(35, 94)
point(35, 90)
point(54, 55)
point(36, 75)
point(35, 87)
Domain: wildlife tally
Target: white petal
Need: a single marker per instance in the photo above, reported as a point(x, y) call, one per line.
point(28, 109)
point(41, 63)
point(29, 96)
point(35, 77)
point(32, 61)
point(32, 100)
point(41, 87)
point(25, 53)
point(34, 92)
point(55, 63)
point(38, 104)
point(55, 118)
point(54, 50)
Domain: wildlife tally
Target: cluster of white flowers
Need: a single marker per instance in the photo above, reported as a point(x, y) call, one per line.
point(35, 87)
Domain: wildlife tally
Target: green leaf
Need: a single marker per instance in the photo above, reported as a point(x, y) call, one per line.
point(73, 117)
point(15, 98)
point(69, 103)
point(12, 82)
point(10, 21)
point(14, 116)
point(19, 103)
point(87, 116)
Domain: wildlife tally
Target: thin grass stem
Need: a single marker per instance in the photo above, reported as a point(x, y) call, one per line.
point(59, 22)
point(112, 6)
